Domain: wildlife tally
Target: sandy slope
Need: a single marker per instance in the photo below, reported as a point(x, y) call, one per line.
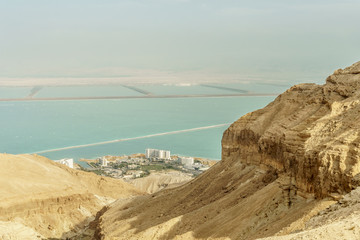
point(52, 199)
point(207, 208)
point(338, 221)
point(157, 181)
point(348, 228)
point(17, 231)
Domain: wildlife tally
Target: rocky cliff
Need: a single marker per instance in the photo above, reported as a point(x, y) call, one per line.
point(280, 166)
point(310, 133)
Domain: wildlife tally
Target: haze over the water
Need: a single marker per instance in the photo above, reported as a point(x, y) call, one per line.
point(178, 39)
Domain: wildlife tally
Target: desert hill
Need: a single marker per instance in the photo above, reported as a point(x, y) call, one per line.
point(43, 199)
point(339, 221)
point(281, 167)
point(157, 181)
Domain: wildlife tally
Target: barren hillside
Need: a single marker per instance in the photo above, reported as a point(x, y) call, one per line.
point(39, 197)
point(339, 221)
point(280, 166)
point(157, 181)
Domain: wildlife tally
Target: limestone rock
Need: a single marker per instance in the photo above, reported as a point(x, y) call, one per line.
point(310, 132)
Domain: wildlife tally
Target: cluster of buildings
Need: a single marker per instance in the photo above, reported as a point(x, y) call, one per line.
point(103, 162)
point(157, 154)
point(190, 164)
point(129, 170)
point(139, 165)
point(186, 161)
point(129, 174)
point(134, 162)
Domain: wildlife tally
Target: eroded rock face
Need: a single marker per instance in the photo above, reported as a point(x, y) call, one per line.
point(274, 161)
point(309, 132)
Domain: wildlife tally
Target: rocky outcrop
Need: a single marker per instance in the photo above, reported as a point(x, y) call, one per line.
point(278, 166)
point(310, 132)
point(281, 166)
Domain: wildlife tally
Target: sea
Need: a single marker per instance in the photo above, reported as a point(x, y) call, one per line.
point(90, 128)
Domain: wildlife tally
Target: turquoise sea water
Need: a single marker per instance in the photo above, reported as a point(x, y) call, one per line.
point(229, 88)
point(118, 90)
point(180, 90)
point(33, 126)
point(14, 92)
point(257, 87)
point(86, 91)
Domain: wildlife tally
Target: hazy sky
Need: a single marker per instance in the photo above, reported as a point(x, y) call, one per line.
point(255, 37)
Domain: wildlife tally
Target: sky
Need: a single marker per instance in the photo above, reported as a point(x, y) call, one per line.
point(270, 39)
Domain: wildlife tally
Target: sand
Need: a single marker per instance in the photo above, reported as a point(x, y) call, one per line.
point(52, 199)
point(157, 181)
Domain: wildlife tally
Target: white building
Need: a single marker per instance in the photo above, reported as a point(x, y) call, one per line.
point(67, 162)
point(187, 161)
point(103, 162)
point(167, 155)
point(150, 153)
point(155, 153)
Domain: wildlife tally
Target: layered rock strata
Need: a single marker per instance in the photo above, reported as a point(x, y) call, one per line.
point(279, 164)
point(310, 132)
